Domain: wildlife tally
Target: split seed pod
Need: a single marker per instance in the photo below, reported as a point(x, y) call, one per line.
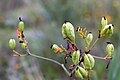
point(56, 49)
point(89, 61)
point(12, 43)
point(76, 57)
point(68, 32)
point(81, 73)
point(108, 30)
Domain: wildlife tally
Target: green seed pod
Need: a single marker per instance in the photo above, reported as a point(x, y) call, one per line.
point(76, 57)
point(24, 46)
point(89, 61)
point(92, 60)
point(78, 74)
point(108, 30)
point(103, 22)
point(81, 73)
point(89, 38)
point(68, 32)
point(56, 49)
point(12, 43)
point(109, 49)
point(21, 25)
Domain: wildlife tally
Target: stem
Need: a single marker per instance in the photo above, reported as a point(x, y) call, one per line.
point(64, 49)
point(99, 57)
point(62, 65)
point(94, 43)
point(45, 59)
point(18, 54)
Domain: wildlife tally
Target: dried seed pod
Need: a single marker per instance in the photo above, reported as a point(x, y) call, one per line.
point(89, 38)
point(12, 43)
point(76, 57)
point(109, 49)
point(82, 32)
point(68, 32)
point(56, 49)
point(89, 61)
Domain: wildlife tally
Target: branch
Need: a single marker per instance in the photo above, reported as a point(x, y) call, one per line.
point(40, 57)
point(62, 65)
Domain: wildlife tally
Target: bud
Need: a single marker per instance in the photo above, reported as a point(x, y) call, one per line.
point(21, 25)
point(89, 38)
point(108, 30)
point(24, 46)
point(56, 49)
point(103, 22)
point(76, 57)
point(12, 43)
point(68, 32)
point(89, 61)
point(81, 73)
point(109, 49)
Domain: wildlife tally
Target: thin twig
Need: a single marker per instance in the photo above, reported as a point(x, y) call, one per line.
point(103, 58)
point(62, 65)
point(40, 57)
point(94, 43)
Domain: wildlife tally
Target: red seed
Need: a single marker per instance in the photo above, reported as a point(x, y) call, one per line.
point(57, 51)
point(18, 33)
point(72, 47)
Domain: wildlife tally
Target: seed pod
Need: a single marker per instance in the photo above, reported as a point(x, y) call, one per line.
point(68, 32)
point(89, 38)
point(103, 22)
point(109, 49)
point(56, 49)
point(108, 30)
point(81, 73)
point(76, 57)
point(21, 25)
point(12, 43)
point(89, 61)
point(78, 74)
point(24, 46)
point(92, 60)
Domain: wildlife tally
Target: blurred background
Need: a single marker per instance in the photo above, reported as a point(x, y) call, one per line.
point(43, 20)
